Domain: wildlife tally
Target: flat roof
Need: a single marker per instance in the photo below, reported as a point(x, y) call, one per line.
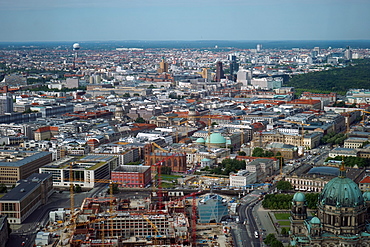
point(25, 187)
point(131, 168)
point(25, 160)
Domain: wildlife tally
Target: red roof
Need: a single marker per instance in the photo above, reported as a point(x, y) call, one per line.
point(47, 128)
point(304, 101)
point(366, 180)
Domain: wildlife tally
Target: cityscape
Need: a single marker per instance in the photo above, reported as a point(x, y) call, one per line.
point(184, 123)
point(182, 147)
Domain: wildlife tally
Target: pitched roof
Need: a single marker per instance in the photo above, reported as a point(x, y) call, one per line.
point(365, 180)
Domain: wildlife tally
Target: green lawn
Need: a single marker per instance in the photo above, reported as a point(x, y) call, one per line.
point(284, 223)
point(166, 185)
point(169, 177)
point(282, 216)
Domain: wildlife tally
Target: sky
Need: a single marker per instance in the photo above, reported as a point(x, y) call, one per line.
point(109, 20)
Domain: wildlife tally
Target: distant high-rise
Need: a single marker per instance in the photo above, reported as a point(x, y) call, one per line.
point(206, 73)
point(348, 53)
point(219, 71)
point(244, 77)
point(234, 67)
point(315, 51)
point(259, 47)
point(95, 79)
point(6, 103)
point(163, 67)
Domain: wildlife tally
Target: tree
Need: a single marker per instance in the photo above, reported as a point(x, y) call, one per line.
point(166, 170)
point(242, 153)
point(258, 152)
point(284, 231)
point(284, 185)
point(269, 238)
point(3, 188)
point(77, 188)
point(140, 120)
point(126, 95)
point(115, 188)
point(272, 241)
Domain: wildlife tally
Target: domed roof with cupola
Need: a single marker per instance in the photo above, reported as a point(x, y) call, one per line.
point(299, 197)
point(216, 138)
point(366, 196)
point(341, 192)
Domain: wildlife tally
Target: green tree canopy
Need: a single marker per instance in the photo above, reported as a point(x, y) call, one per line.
point(140, 120)
point(77, 188)
point(284, 185)
point(336, 80)
point(3, 188)
point(229, 165)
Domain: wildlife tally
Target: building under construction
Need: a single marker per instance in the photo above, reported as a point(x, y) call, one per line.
point(110, 221)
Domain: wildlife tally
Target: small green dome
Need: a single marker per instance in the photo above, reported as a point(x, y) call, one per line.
point(341, 192)
point(299, 197)
point(366, 196)
point(216, 138)
point(315, 220)
point(200, 140)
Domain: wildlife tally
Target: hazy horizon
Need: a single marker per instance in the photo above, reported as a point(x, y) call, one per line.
point(183, 20)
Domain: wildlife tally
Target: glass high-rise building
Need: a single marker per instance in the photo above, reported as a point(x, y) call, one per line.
point(6, 103)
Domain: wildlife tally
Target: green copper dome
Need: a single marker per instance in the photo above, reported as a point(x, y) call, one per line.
point(315, 220)
point(216, 138)
point(200, 140)
point(299, 197)
point(341, 192)
point(366, 196)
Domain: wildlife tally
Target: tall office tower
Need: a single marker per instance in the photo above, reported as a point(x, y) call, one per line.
point(259, 47)
point(317, 49)
point(219, 71)
point(95, 79)
point(205, 73)
point(244, 77)
point(6, 103)
point(348, 53)
point(163, 67)
point(234, 67)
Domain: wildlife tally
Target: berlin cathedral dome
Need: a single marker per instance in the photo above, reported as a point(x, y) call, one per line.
point(342, 217)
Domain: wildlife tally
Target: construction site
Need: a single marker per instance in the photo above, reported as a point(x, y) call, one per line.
point(163, 219)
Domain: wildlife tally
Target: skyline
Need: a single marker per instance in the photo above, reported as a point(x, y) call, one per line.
point(114, 20)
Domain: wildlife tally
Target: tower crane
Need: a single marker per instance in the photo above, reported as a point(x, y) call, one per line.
point(193, 214)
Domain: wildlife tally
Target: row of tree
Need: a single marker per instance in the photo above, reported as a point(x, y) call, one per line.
point(334, 138)
point(352, 161)
point(283, 201)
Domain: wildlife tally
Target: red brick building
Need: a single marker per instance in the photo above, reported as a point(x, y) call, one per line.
point(132, 176)
point(177, 161)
